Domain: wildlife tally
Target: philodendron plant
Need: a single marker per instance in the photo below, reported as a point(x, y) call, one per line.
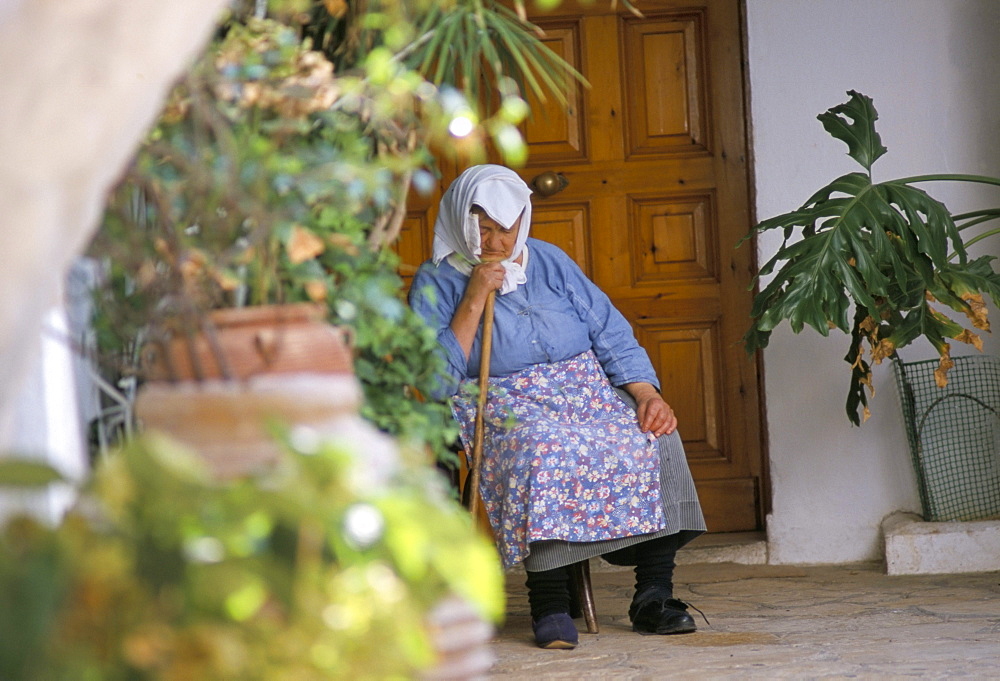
point(877, 260)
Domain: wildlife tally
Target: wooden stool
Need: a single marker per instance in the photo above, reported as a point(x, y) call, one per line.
point(580, 582)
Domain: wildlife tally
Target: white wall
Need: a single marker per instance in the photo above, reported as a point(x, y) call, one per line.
point(931, 67)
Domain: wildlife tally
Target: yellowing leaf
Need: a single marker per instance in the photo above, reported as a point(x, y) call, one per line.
point(867, 381)
point(148, 646)
point(316, 290)
point(868, 324)
point(884, 349)
point(336, 8)
point(941, 373)
point(246, 256)
point(227, 281)
point(303, 245)
point(859, 358)
point(147, 274)
point(343, 242)
point(971, 338)
point(977, 312)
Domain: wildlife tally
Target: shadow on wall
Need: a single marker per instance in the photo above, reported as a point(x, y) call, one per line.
point(977, 22)
point(972, 126)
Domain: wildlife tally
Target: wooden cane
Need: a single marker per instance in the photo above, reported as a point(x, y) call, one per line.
point(484, 377)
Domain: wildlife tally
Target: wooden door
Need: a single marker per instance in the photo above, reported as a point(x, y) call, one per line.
point(656, 157)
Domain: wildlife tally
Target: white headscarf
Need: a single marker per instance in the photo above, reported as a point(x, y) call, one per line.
point(503, 196)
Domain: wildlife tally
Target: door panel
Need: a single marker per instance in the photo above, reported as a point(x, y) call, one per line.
point(566, 226)
point(665, 182)
point(686, 355)
point(557, 131)
point(665, 62)
point(724, 500)
point(655, 155)
point(414, 243)
point(672, 237)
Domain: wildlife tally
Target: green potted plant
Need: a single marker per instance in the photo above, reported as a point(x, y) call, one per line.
point(279, 173)
point(884, 262)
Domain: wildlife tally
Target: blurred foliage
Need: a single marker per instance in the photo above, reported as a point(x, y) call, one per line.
point(875, 260)
point(304, 573)
point(482, 47)
point(276, 175)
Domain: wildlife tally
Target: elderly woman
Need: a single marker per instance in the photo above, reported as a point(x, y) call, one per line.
point(581, 454)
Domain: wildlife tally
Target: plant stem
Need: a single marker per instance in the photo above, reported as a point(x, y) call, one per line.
point(973, 222)
point(947, 177)
point(982, 236)
point(406, 51)
point(984, 216)
point(994, 212)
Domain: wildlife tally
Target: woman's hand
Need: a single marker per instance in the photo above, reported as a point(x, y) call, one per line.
point(485, 277)
point(654, 415)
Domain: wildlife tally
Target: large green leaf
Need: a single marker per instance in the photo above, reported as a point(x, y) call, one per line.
point(854, 123)
point(888, 251)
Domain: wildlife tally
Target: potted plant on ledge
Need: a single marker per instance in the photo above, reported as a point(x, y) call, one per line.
point(885, 262)
point(279, 173)
point(238, 203)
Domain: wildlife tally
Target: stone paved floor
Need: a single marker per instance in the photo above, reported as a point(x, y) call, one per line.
point(775, 622)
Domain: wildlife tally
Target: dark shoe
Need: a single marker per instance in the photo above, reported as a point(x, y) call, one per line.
point(555, 631)
point(656, 612)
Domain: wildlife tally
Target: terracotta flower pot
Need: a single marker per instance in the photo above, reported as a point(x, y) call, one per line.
point(238, 343)
point(220, 391)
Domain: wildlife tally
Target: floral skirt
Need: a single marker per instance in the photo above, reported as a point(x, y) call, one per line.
point(563, 458)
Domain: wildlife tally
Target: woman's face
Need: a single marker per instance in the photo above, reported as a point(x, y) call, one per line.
point(496, 242)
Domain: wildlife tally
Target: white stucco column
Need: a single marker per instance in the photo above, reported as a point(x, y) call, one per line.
point(80, 83)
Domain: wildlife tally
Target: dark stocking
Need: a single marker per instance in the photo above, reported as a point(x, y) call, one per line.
point(548, 592)
point(655, 565)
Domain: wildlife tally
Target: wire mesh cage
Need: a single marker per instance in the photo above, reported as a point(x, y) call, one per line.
point(954, 436)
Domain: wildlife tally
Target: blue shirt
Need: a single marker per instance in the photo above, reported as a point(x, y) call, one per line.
point(557, 314)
